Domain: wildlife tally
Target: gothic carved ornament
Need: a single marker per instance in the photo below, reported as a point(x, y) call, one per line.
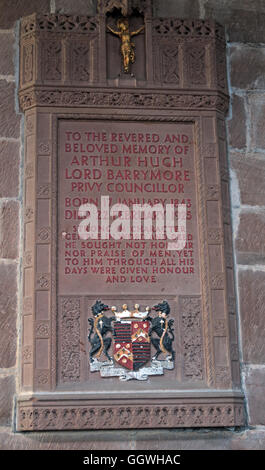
point(161, 80)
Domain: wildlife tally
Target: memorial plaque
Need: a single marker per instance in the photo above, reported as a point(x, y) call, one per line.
point(128, 306)
point(130, 163)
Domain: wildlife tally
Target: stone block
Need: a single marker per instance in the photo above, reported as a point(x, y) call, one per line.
point(10, 121)
point(250, 172)
point(7, 53)
point(9, 229)
point(9, 169)
point(257, 119)
point(250, 246)
point(7, 390)
point(247, 67)
point(8, 315)
point(180, 9)
point(78, 7)
point(252, 313)
point(249, 439)
point(12, 11)
point(237, 125)
point(255, 380)
point(244, 20)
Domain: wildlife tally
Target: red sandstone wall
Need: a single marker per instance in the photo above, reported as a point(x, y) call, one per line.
point(246, 131)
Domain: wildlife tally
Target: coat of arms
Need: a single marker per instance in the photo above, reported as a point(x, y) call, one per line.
point(135, 334)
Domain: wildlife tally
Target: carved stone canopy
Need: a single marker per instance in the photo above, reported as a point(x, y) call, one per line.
point(125, 6)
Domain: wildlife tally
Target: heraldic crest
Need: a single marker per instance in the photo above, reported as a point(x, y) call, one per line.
point(134, 334)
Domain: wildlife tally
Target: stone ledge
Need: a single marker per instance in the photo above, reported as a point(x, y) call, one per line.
point(249, 439)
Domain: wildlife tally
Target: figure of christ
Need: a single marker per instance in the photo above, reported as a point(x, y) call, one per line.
point(127, 46)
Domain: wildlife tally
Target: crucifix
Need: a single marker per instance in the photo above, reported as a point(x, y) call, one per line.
point(127, 46)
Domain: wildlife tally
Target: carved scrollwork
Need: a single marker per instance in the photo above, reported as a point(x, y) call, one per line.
point(59, 97)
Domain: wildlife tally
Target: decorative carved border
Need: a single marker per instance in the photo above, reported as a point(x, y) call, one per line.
point(197, 29)
point(58, 24)
point(122, 99)
point(125, 416)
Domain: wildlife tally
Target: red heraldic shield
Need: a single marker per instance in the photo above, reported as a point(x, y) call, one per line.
point(132, 348)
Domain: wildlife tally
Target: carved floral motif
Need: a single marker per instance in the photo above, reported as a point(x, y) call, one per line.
point(27, 353)
point(70, 334)
point(217, 281)
point(214, 235)
point(43, 281)
point(190, 311)
point(42, 329)
point(44, 148)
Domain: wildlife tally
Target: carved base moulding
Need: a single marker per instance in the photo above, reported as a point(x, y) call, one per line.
point(126, 414)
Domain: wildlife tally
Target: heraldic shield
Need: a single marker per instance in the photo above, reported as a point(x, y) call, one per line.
point(132, 347)
point(130, 335)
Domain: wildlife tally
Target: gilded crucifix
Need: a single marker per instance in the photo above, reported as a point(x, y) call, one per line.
point(127, 46)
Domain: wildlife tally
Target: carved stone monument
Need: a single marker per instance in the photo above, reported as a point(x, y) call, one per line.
point(127, 109)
